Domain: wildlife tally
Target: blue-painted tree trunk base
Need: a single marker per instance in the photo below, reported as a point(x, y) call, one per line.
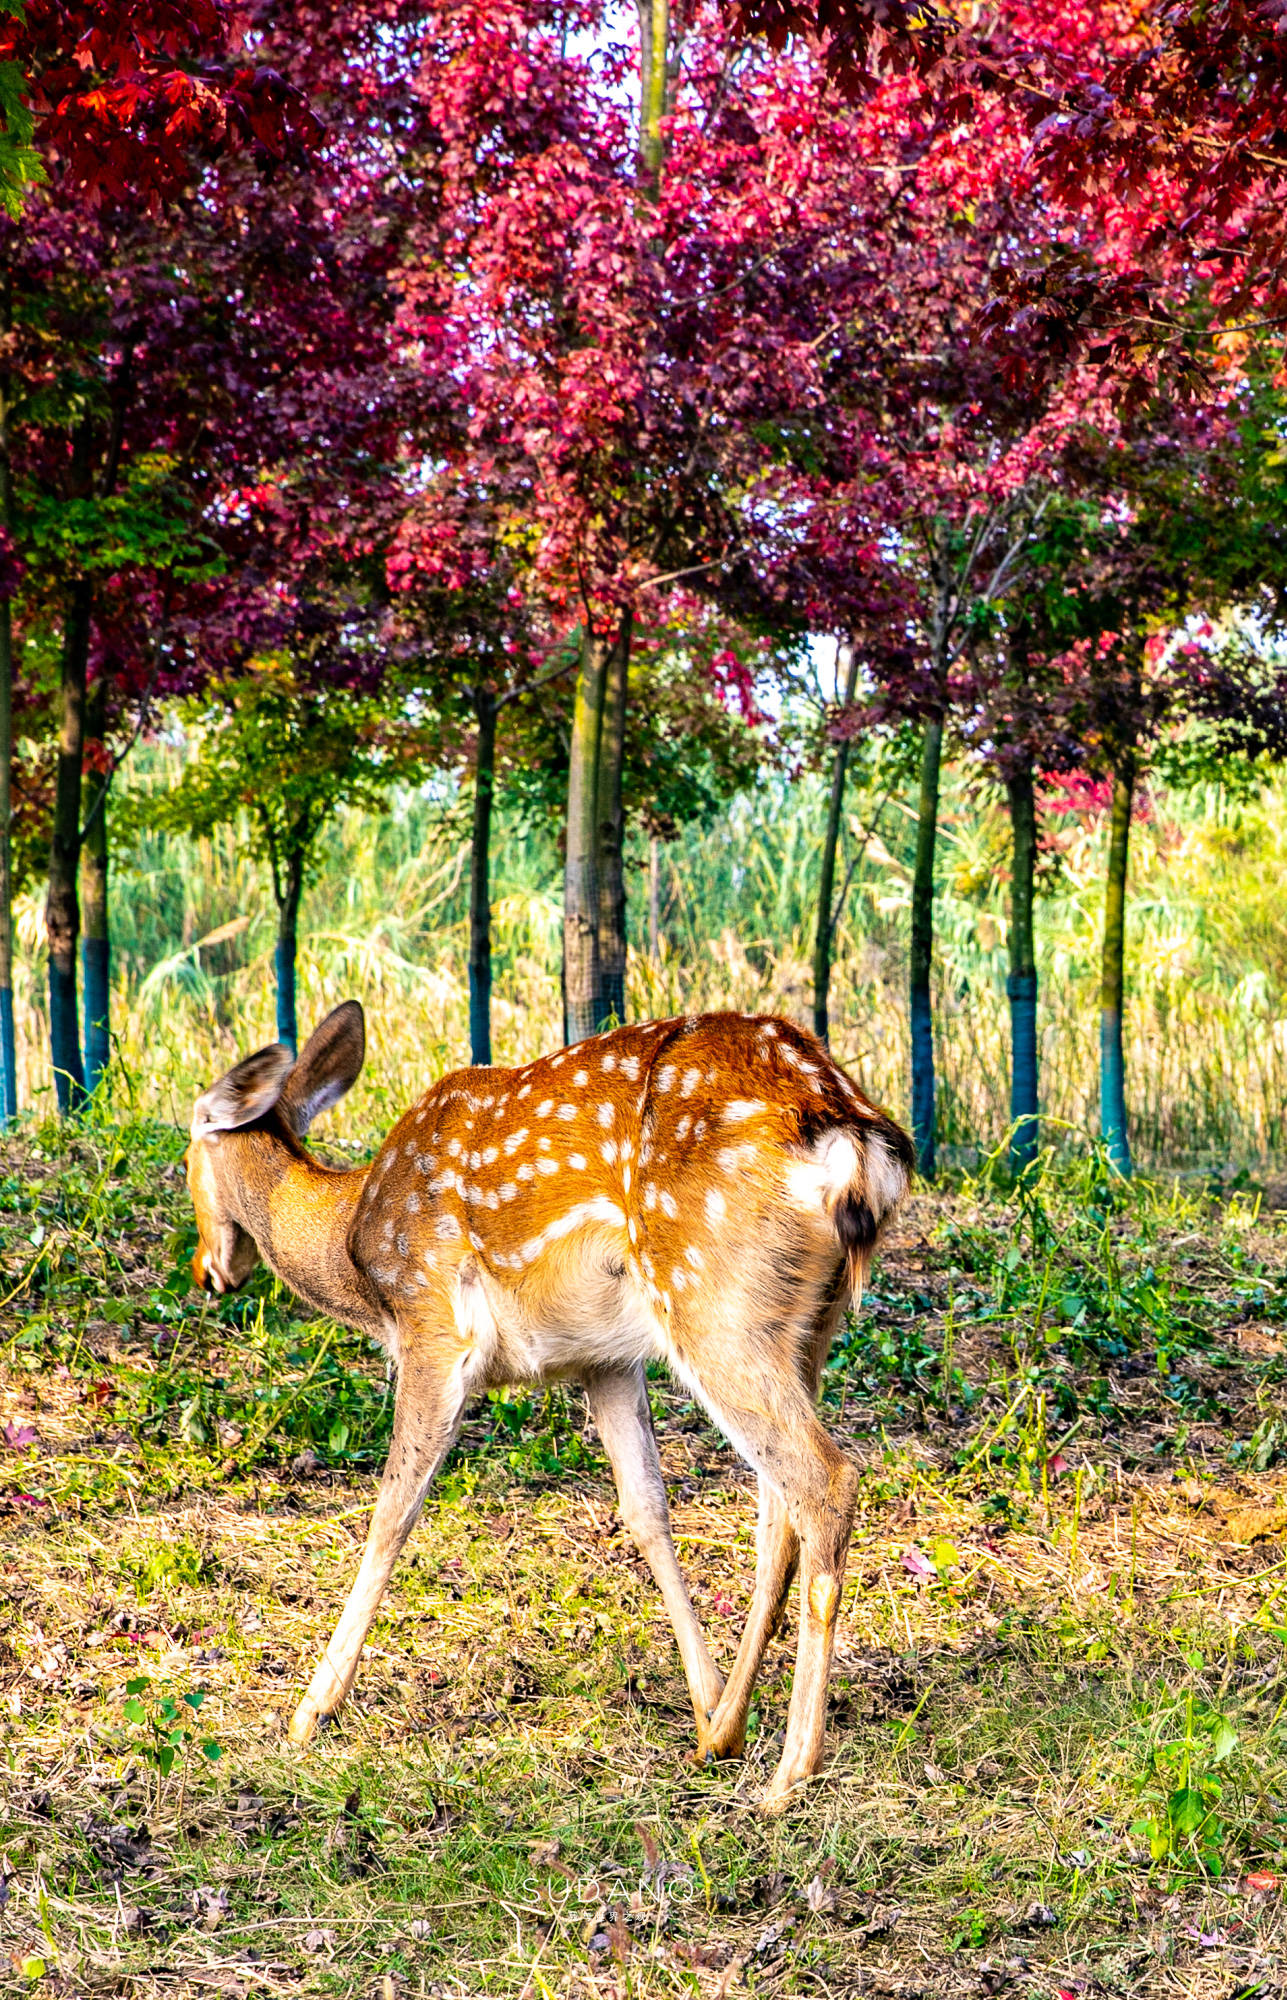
point(923, 1081)
point(480, 1019)
point(1025, 1129)
point(1112, 1091)
point(287, 1030)
point(8, 1058)
point(64, 1041)
point(96, 970)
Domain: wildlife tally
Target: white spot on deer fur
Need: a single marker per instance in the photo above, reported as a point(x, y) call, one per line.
point(633, 1230)
point(646, 1261)
point(526, 1091)
point(476, 1241)
point(669, 1205)
point(442, 1183)
point(386, 1234)
point(567, 1112)
point(577, 1160)
point(741, 1109)
point(425, 1164)
point(447, 1229)
point(599, 1209)
point(559, 1059)
point(678, 1280)
point(694, 1256)
point(650, 1196)
point(627, 1150)
point(630, 1068)
point(508, 1191)
point(683, 1127)
point(492, 1153)
point(475, 1161)
point(665, 1077)
point(716, 1206)
point(692, 1077)
point(526, 1172)
point(609, 1061)
point(699, 1129)
point(514, 1141)
point(625, 1179)
point(543, 1110)
point(547, 1166)
point(608, 1152)
point(605, 1115)
point(580, 1080)
point(413, 1203)
point(454, 1149)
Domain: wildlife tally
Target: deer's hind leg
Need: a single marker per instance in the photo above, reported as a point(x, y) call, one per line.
point(618, 1399)
point(427, 1415)
point(777, 1557)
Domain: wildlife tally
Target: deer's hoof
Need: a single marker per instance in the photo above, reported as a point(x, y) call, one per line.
point(781, 1794)
point(303, 1724)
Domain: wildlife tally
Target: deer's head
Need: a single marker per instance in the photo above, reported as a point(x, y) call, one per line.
point(267, 1097)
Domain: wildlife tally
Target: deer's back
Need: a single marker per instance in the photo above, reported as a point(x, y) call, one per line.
point(574, 1209)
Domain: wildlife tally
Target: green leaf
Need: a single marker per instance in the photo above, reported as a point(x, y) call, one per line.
point(135, 1712)
point(137, 1685)
point(214, 1751)
point(1187, 1809)
point(195, 1700)
point(1224, 1739)
point(165, 1758)
point(946, 1555)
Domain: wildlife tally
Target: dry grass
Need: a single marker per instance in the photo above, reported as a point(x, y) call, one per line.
point(1035, 1608)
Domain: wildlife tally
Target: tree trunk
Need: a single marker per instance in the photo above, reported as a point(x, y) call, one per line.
point(1022, 983)
point(480, 910)
point(582, 975)
point(62, 910)
point(95, 949)
point(287, 948)
point(827, 918)
point(922, 952)
point(1112, 1061)
point(654, 41)
point(654, 899)
point(612, 828)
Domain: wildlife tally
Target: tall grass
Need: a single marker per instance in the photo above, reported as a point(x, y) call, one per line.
point(386, 920)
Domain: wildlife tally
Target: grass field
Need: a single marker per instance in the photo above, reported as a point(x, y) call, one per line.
point(1058, 1751)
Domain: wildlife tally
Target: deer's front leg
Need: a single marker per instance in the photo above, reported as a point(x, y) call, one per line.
point(426, 1418)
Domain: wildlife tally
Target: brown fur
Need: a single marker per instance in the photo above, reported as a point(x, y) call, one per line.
point(704, 1191)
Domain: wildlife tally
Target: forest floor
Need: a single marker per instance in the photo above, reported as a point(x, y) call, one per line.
point(1057, 1761)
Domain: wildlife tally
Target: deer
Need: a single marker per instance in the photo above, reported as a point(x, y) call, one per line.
point(705, 1192)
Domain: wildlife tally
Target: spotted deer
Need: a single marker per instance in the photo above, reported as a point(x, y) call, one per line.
point(702, 1192)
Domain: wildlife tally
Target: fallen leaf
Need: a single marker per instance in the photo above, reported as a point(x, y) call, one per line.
point(18, 1435)
point(1056, 1465)
point(918, 1563)
point(544, 1853)
point(820, 1896)
point(935, 1774)
point(1042, 1915)
point(1263, 1883)
point(315, 1941)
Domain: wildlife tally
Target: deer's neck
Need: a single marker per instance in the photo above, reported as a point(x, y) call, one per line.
point(300, 1213)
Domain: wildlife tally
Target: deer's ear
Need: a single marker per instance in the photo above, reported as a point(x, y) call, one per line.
point(250, 1088)
point(330, 1063)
